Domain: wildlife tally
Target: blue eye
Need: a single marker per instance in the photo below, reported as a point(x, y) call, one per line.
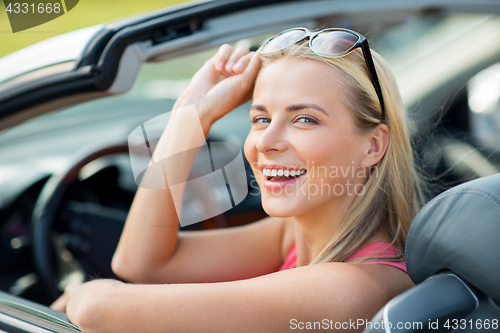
point(263, 120)
point(306, 119)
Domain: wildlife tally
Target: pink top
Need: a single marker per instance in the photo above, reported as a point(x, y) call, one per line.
point(365, 251)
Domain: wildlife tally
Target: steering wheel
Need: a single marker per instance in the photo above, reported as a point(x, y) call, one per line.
point(59, 264)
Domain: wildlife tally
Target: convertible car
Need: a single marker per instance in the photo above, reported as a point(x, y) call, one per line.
point(68, 106)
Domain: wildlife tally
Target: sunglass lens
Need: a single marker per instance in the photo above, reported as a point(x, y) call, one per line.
point(282, 41)
point(334, 42)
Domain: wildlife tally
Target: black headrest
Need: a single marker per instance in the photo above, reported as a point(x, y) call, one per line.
point(459, 230)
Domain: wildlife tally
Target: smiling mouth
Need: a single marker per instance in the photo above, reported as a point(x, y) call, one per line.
point(279, 175)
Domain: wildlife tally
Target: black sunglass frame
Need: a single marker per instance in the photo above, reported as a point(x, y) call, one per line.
point(362, 42)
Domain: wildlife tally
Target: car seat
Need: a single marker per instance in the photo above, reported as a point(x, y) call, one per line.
point(453, 256)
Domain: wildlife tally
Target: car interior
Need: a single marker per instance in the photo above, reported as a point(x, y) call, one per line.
point(66, 181)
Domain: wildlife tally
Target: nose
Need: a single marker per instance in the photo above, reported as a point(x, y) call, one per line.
point(273, 139)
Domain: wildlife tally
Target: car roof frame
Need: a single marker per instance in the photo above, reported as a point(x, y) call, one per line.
point(128, 44)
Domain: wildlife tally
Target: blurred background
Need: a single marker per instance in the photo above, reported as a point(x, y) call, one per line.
point(85, 14)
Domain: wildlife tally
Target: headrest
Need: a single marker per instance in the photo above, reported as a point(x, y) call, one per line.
point(459, 230)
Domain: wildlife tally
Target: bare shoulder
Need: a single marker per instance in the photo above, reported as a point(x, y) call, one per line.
point(389, 281)
point(376, 282)
point(336, 291)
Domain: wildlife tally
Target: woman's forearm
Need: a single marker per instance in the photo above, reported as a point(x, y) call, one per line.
point(340, 293)
point(149, 238)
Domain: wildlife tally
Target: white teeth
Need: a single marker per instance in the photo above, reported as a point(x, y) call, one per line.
point(281, 172)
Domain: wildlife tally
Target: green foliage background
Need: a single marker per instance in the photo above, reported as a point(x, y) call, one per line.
point(85, 14)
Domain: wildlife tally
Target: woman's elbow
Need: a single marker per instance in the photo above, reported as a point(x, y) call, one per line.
point(129, 272)
point(121, 269)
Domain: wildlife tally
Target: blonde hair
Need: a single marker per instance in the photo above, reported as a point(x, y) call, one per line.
point(392, 195)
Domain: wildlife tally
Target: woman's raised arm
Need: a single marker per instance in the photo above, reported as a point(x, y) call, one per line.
point(150, 249)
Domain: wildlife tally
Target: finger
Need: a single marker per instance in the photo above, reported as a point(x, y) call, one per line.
point(60, 303)
point(246, 80)
point(233, 59)
point(222, 56)
point(242, 63)
point(251, 71)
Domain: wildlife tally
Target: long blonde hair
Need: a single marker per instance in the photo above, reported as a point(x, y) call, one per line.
point(393, 194)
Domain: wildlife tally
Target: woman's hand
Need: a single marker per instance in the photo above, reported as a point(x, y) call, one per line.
point(224, 82)
point(61, 303)
point(80, 300)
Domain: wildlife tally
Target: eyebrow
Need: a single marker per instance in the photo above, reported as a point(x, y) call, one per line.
point(292, 108)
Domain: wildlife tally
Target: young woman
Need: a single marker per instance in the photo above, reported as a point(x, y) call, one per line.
point(330, 150)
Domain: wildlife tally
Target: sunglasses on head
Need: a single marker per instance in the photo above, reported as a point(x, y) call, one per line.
point(330, 43)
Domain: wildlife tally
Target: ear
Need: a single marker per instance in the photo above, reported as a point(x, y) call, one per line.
point(377, 142)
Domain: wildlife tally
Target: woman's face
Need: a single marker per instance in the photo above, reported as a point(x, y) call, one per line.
point(300, 123)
